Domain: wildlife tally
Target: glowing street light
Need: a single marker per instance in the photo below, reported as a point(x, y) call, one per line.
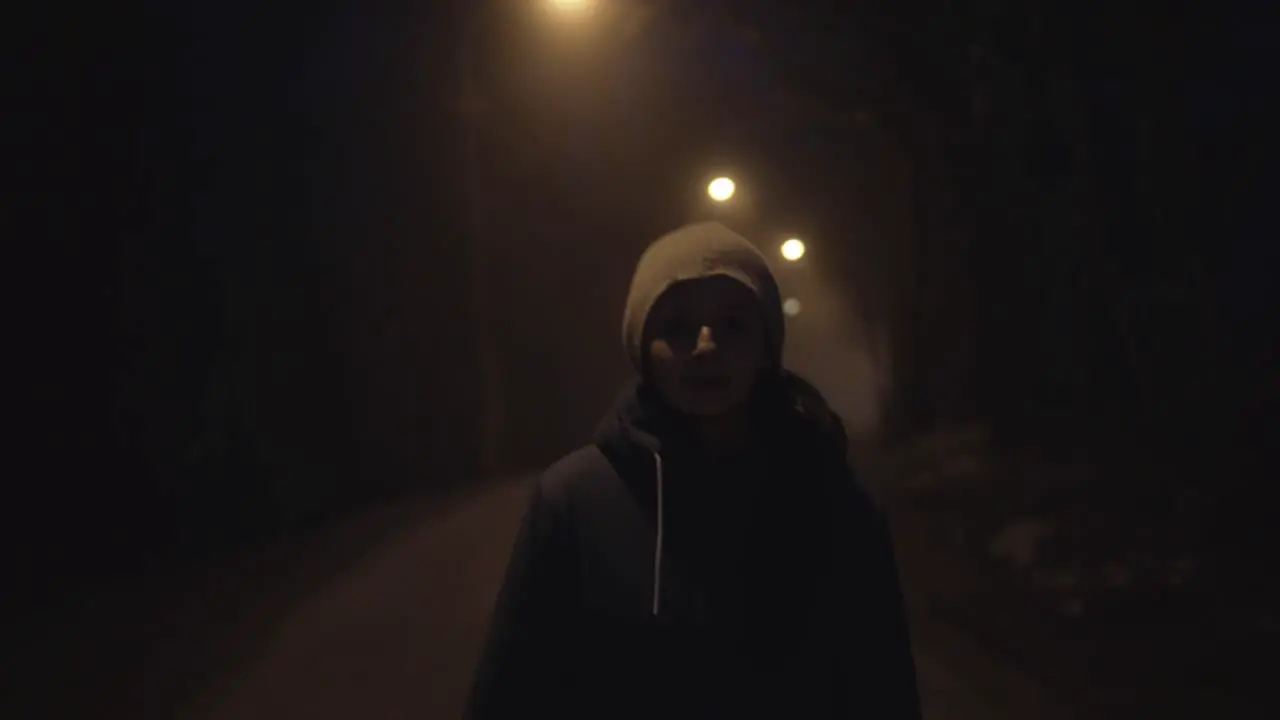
point(793, 249)
point(721, 189)
point(571, 6)
point(569, 12)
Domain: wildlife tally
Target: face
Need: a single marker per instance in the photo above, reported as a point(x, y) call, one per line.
point(706, 345)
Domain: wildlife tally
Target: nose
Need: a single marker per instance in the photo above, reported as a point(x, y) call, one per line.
point(706, 343)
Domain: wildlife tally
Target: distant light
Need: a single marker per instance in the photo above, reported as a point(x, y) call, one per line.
point(793, 249)
point(791, 307)
point(570, 6)
point(721, 189)
point(570, 12)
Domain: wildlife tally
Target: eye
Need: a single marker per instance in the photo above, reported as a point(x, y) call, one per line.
point(677, 327)
point(733, 325)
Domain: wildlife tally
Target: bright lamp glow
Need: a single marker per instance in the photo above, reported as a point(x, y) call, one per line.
point(721, 189)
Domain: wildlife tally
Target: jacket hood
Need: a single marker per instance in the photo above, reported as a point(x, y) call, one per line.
point(699, 250)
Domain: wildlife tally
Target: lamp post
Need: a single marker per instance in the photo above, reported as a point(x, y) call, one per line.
point(480, 250)
point(490, 420)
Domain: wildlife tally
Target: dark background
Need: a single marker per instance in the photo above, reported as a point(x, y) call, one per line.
point(238, 238)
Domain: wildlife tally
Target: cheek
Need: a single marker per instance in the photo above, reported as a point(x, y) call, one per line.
point(751, 354)
point(663, 363)
point(746, 371)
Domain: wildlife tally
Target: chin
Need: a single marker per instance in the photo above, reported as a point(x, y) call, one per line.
point(709, 407)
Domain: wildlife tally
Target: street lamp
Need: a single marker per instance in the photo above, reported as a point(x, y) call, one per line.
point(569, 12)
point(721, 189)
point(793, 249)
point(571, 6)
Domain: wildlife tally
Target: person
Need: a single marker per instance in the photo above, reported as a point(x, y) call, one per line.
point(710, 555)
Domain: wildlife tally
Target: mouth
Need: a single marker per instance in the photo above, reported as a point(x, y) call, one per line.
point(707, 381)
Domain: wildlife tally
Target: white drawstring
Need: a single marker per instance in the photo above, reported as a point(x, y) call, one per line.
point(657, 545)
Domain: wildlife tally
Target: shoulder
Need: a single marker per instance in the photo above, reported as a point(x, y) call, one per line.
point(573, 473)
point(853, 506)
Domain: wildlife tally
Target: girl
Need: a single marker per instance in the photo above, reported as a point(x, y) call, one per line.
point(710, 554)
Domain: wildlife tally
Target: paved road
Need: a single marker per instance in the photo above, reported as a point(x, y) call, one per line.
point(398, 635)
point(393, 632)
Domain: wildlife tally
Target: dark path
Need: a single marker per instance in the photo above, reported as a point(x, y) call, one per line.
point(397, 635)
point(383, 621)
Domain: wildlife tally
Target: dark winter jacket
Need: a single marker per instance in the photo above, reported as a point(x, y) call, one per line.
point(649, 582)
